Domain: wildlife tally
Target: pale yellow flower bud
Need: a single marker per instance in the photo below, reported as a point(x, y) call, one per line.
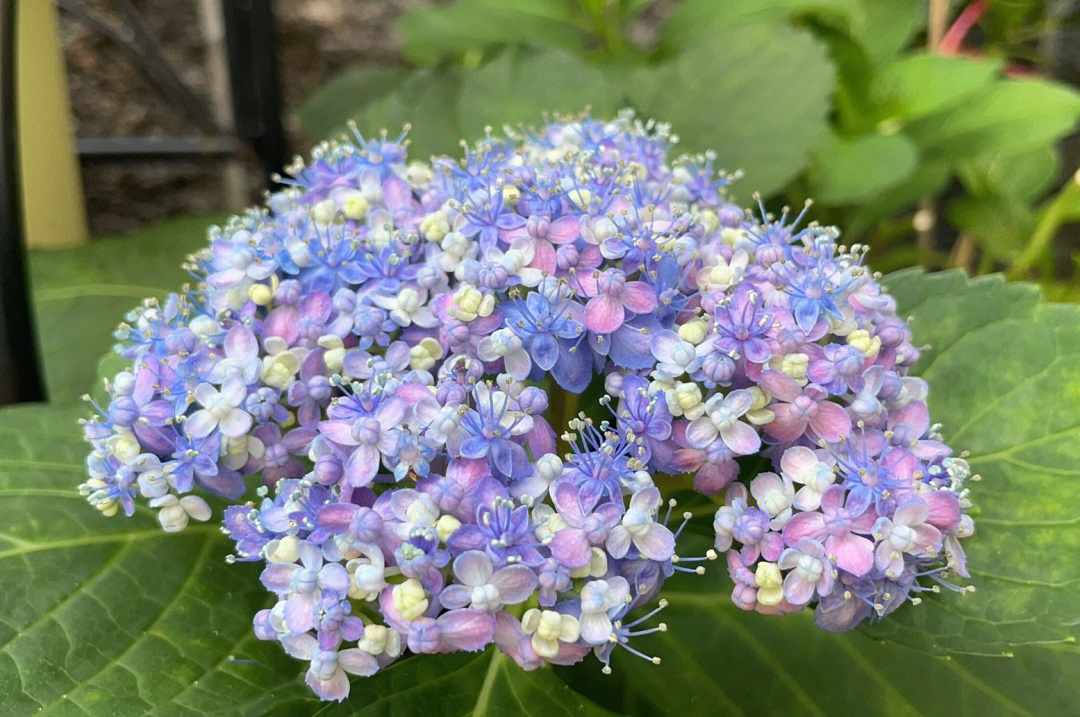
point(511, 196)
point(355, 206)
point(435, 226)
point(445, 526)
point(693, 331)
point(410, 599)
point(794, 365)
point(425, 354)
point(325, 211)
point(769, 582)
point(860, 339)
point(260, 294)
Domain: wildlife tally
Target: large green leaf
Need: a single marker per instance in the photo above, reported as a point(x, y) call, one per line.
point(757, 95)
point(519, 87)
point(696, 21)
point(114, 617)
point(81, 294)
point(881, 29)
point(111, 617)
point(1004, 372)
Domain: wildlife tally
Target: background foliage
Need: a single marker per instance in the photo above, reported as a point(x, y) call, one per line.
point(839, 100)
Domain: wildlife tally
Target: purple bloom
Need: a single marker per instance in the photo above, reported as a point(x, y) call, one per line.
point(907, 532)
point(468, 630)
point(644, 414)
point(742, 325)
point(241, 357)
point(503, 531)
point(327, 674)
point(372, 436)
point(801, 410)
point(652, 540)
point(491, 428)
point(587, 524)
point(839, 370)
point(837, 527)
point(810, 571)
point(550, 332)
point(311, 391)
point(722, 419)
point(303, 585)
point(611, 297)
point(482, 587)
point(220, 409)
point(194, 460)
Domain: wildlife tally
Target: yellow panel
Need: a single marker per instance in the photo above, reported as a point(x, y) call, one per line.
point(52, 187)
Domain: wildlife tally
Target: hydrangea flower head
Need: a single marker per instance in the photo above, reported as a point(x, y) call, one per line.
point(370, 360)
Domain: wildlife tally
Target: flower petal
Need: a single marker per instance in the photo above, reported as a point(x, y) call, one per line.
point(853, 553)
point(741, 438)
point(473, 568)
point(656, 544)
point(604, 314)
point(515, 583)
point(639, 297)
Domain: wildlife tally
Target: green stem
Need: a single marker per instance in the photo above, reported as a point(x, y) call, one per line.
point(1055, 214)
point(562, 406)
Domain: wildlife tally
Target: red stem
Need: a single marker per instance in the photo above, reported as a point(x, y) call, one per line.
point(967, 19)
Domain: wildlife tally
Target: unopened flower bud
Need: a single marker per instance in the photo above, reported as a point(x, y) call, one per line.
point(410, 599)
point(693, 331)
point(445, 526)
point(769, 582)
point(794, 365)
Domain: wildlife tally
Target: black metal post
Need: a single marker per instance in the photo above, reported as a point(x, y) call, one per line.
point(20, 378)
point(253, 76)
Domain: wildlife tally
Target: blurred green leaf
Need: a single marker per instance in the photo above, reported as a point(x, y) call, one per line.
point(1022, 177)
point(1009, 117)
point(880, 29)
point(929, 178)
point(326, 111)
point(850, 170)
point(854, 111)
point(695, 22)
point(888, 27)
point(426, 102)
point(519, 87)
point(1000, 225)
point(757, 95)
point(472, 26)
point(1070, 210)
point(920, 84)
point(81, 294)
